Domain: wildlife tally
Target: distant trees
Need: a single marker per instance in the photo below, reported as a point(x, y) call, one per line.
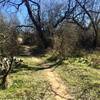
point(88, 18)
point(66, 40)
point(34, 9)
point(47, 15)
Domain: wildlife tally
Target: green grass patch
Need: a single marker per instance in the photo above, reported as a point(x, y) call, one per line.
point(26, 83)
point(82, 78)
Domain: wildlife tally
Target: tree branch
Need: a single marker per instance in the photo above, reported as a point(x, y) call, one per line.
point(66, 15)
point(24, 26)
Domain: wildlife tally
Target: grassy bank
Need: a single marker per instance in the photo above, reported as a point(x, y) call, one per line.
point(82, 76)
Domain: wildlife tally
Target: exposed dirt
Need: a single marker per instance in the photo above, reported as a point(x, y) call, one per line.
point(58, 87)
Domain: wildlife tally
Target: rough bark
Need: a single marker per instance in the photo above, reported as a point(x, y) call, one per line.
point(37, 25)
point(4, 82)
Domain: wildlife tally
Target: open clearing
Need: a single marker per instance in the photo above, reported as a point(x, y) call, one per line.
point(75, 79)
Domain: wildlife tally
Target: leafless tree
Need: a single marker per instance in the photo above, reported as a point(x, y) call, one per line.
point(34, 12)
point(79, 11)
point(88, 16)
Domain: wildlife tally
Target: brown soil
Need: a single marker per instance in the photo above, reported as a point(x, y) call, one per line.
point(58, 87)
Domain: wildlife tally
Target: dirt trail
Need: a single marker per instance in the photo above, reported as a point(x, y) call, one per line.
point(59, 90)
point(26, 50)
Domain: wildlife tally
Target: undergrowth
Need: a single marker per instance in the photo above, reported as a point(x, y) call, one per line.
point(82, 76)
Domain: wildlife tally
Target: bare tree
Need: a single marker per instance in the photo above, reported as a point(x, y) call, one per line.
point(34, 12)
point(79, 11)
point(88, 16)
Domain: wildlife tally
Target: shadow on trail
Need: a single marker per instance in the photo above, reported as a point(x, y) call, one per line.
point(37, 67)
point(30, 51)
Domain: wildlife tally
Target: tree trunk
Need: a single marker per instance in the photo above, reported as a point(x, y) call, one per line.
point(37, 24)
point(95, 41)
point(4, 83)
point(43, 41)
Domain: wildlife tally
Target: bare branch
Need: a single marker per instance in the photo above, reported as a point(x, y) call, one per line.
point(24, 26)
point(38, 5)
point(66, 15)
point(86, 11)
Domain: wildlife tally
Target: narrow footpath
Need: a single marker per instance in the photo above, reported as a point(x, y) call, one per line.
point(58, 87)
